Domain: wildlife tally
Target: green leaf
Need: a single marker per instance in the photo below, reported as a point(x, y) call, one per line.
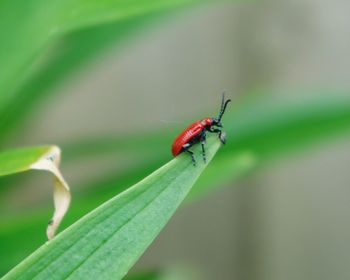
point(19, 160)
point(40, 158)
point(108, 241)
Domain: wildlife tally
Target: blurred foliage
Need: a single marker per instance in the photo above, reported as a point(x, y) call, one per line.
point(175, 273)
point(146, 276)
point(44, 42)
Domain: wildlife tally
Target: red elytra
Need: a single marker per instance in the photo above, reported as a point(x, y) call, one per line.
point(196, 132)
point(187, 134)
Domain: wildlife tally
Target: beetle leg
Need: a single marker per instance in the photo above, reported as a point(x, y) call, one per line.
point(192, 156)
point(214, 130)
point(203, 153)
point(203, 138)
point(186, 149)
point(221, 135)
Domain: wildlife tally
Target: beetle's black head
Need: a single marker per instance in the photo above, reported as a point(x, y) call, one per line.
point(217, 121)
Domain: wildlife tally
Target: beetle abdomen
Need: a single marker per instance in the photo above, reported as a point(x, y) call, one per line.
point(185, 136)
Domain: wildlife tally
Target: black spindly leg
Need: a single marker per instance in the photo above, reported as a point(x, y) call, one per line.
point(203, 138)
point(192, 157)
point(203, 152)
point(221, 134)
point(186, 149)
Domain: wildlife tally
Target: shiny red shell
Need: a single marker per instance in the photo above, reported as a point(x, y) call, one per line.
point(187, 134)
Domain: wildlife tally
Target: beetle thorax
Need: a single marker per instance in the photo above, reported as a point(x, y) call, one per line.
point(207, 122)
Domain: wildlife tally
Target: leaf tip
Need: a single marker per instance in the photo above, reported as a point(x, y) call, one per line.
point(50, 162)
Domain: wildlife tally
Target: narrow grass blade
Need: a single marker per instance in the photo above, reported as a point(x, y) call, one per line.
point(108, 241)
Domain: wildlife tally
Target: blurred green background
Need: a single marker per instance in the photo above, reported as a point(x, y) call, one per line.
point(287, 220)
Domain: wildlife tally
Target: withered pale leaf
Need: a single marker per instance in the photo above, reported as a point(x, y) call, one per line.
point(45, 158)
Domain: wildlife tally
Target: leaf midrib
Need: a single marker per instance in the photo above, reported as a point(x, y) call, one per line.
point(121, 227)
point(112, 214)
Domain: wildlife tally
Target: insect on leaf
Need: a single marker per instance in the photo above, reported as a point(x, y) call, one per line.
point(105, 243)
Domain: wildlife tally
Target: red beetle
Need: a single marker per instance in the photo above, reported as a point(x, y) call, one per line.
point(196, 132)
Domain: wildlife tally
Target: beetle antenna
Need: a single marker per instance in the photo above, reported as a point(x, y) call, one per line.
point(223, 106)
